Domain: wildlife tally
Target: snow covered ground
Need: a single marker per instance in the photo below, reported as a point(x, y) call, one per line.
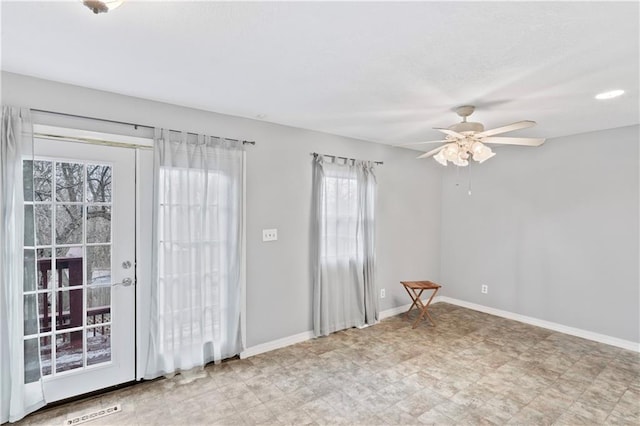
point(69, 354)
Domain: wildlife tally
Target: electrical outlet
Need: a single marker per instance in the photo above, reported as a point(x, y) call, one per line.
point(382, 293)
point(269, 235)
point(485, 289)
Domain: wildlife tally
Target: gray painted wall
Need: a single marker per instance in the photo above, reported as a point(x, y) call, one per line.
point(553, 231)
point(279, 196)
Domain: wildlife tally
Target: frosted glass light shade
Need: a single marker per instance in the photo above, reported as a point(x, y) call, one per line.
point(460, 162)
point(439, 157)
point(485, 157)
point(451, 151)
point(460, 153)
point(477, 147)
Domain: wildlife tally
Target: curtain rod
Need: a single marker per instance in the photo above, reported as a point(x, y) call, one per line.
point(315, 154)
point(135, 126)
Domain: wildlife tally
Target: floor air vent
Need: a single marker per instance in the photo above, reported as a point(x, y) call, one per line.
point(101, 412)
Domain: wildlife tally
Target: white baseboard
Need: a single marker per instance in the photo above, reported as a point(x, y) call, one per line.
point(276, 344)
point(589, 335)
point(395, 311)
point(307, 335)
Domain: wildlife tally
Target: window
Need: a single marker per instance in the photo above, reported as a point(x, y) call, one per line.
point(343, 246)
point(190, 239)
point(198, 247)
point(68, 209)
point(339, 230)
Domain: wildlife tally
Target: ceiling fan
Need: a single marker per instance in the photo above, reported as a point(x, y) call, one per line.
point(468, 139)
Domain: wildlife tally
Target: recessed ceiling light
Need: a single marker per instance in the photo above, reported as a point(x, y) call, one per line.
point(610, 94)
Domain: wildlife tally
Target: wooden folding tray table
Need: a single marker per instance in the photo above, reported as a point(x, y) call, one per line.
point(415, 290)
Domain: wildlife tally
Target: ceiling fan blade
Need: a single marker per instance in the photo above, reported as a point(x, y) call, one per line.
point(508, 128)
point(418, 143)
point(432, 152)
point(514, 141)
point(450, 132)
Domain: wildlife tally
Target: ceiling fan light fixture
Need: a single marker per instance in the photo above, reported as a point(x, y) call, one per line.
point(439, 157)
point(484, 156)
point(460, 162)
point(477, 147)
point(610, 94)
point(102, 6)
point(468, 140)
point(451, 151)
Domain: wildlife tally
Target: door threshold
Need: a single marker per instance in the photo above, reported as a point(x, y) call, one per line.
point(87, 396)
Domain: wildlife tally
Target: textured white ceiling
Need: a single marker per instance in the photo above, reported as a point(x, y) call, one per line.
point(385, 72)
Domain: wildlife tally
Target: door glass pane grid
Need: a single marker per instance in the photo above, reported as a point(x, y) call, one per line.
point(59, 292)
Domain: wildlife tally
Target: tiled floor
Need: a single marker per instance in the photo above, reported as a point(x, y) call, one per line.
point(472, 368)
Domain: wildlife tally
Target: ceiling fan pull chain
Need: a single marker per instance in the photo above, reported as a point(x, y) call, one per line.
point(469, 183)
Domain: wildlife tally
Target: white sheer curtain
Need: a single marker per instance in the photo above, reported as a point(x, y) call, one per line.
point(343, 250)
point(198, 247)
point(20, 388)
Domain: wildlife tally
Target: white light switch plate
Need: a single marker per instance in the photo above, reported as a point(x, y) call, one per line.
point(269, 235)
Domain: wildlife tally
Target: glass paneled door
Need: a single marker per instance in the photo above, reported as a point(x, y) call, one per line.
point(83, 209)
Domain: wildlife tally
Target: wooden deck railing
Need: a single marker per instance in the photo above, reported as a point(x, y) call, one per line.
point(71, 315)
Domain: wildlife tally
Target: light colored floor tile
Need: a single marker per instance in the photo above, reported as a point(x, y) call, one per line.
point(470, 369)
point(434, 417)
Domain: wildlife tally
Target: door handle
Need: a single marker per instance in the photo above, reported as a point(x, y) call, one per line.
point(125, 283)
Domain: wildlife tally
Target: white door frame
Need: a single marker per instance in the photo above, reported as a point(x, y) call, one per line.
point(122, 367)
point(143, 147)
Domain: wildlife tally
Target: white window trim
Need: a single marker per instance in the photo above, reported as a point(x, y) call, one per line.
point(76, 135)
